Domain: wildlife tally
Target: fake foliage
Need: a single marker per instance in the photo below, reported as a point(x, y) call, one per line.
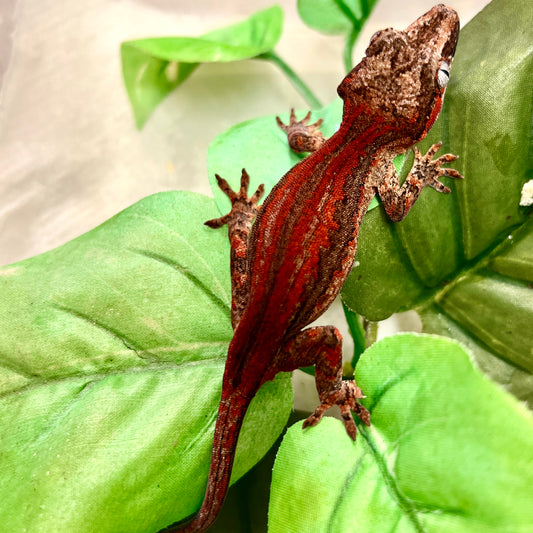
point(112, 346)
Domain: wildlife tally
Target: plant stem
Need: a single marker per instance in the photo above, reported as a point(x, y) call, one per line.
point(357, 332)
point(348, 49)
point(371, 331)
point(297, 82)
point(352, 36)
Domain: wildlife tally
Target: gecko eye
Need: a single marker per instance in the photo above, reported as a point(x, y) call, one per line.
point(443, 75)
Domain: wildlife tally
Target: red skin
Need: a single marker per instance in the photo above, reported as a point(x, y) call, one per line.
point(289, 267)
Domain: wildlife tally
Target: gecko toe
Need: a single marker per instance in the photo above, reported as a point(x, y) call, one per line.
point(452, 173)
point(242, 206)
point(347, 398)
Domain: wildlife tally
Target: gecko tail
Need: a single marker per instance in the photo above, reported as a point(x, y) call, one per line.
point(228, 425)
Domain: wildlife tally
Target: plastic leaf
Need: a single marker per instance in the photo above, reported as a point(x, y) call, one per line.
point(464, 260)
point(112, 350)
point(448, 450)
point(154, 67)
point(335, 16)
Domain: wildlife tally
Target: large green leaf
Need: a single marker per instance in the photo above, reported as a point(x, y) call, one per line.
point(447, 451)
point(464, 260)
point(154, 67)
point(112, 350)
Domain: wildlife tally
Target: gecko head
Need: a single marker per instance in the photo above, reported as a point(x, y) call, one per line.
point(402, 78)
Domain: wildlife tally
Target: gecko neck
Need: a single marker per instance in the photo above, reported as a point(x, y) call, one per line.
point(360, 129)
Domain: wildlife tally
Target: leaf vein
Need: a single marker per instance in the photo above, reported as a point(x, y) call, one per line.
point(404, 503)
point(128, 343)
point(185, 272)
point(98, 376)
point(193, 250)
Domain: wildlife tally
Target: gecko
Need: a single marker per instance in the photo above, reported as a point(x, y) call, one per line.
point(290, 263)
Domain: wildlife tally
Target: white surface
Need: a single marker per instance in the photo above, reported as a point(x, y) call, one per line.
point(70, 156)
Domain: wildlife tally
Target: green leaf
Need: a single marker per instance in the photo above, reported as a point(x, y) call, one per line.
point(112, 351)
point(345, 17)
point(464, 260)
point(335, 17)
point(447, 451)
point(154, 67)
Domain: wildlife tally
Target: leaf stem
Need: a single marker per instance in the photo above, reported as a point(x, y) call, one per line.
point(357, 332)
point(297, 82)
point(356, 28)
point(371, 332)
point(347, 53)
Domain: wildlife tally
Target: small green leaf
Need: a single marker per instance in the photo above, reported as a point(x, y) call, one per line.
point(447, 451)
point(154, 67)
point(112, 350)
point(335, 17)
point(345, 17)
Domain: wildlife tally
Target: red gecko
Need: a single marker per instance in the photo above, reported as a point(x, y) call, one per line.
point(290, 265)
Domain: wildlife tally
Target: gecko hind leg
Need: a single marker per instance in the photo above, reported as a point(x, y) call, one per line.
point(302, 137)
point(239, 220)
point(322, 346)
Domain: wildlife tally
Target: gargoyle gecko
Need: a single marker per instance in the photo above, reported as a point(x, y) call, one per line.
point(290, 265)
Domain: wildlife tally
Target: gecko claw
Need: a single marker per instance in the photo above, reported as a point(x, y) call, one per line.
point(224, 186)
point(245, 182)
point(302, 137)
point(217, 222)
point(346, 397)
point(241, 204)
point(452, 173)
point(427, 170)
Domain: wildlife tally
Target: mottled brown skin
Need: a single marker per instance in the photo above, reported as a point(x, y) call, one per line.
point(288, 268)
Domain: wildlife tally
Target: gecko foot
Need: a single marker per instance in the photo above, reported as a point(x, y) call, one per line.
point(427, 170)
point(243, 207)
point(302, 137)
point(346, 397)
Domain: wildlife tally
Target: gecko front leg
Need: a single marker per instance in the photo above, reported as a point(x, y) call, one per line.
point(322, 346)
point(302, 137)
point(239, 220)
point(398, 199)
